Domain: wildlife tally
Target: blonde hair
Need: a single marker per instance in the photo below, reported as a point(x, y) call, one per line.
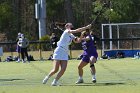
point(85, 32)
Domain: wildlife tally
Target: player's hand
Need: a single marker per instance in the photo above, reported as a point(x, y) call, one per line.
point(82, 35)
point(88, 26)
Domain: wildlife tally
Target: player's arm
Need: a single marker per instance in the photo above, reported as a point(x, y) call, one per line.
point(86, 39)
point(77, 40)
point(81, 38)
point(80, 29)
point(27, 42)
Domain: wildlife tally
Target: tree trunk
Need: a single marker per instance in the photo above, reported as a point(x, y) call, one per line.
point(69, 11)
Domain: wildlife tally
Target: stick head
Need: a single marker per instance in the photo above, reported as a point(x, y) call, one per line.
point(105, 5)
point(99, 13)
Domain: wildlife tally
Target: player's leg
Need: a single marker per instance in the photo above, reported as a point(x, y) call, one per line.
point(26, 54)
point(18, 57)
point(18, 51)
point(80, 71)
point(22, 55)
point(55, 69)
point(92, 68)
point(63, 65)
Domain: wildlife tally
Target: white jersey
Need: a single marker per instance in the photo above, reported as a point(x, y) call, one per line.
point(65, 40)
point(61, 52)
point(23, 42)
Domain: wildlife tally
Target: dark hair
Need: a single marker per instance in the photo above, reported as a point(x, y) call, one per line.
point(87, 30)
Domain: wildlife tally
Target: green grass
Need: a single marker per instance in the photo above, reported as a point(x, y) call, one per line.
point(113, 76)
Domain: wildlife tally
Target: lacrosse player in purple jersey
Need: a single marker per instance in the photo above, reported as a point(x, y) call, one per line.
point(89, 55)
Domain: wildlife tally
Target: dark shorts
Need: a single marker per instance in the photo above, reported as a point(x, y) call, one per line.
point(18, 49)
point(23, 50)
point(86, 58)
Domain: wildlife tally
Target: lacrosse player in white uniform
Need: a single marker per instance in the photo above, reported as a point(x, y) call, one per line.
point(60, 55)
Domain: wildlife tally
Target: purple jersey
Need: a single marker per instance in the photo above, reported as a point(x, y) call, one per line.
point(89, 48)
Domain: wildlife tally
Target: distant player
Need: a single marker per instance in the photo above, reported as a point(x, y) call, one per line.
point(23, 43)
point(60, 55)
point(89, 55)
point(54, 40)
point(18, 49)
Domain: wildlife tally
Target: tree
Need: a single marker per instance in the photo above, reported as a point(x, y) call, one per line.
point(18, 15)
point(6, 19)
point(69, 11)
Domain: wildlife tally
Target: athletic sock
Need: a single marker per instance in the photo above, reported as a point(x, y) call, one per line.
point(80, 77)
point(46, 78)
point(54, 80)
point(93, 76)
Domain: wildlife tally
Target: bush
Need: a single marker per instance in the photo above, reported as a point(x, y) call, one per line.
point(44, 46)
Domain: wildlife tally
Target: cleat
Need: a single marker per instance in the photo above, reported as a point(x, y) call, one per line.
point(55, 83)
point(80, 81)
point(23, 61)
point(94, 80)
point(45, 80)
point(18, 60)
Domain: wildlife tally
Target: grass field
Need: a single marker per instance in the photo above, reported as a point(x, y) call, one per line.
point(113, 76)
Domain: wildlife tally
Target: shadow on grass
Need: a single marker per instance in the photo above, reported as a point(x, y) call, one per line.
point(2, 80)
point(95, 84)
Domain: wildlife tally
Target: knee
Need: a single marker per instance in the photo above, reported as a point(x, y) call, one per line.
point(63, 70)
point(93, 59)
point(55, 70)
point(79, 67)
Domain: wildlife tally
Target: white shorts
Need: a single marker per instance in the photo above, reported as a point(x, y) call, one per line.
point(60, 54)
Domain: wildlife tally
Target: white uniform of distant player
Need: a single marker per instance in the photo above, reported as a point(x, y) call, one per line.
point(61, 52)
